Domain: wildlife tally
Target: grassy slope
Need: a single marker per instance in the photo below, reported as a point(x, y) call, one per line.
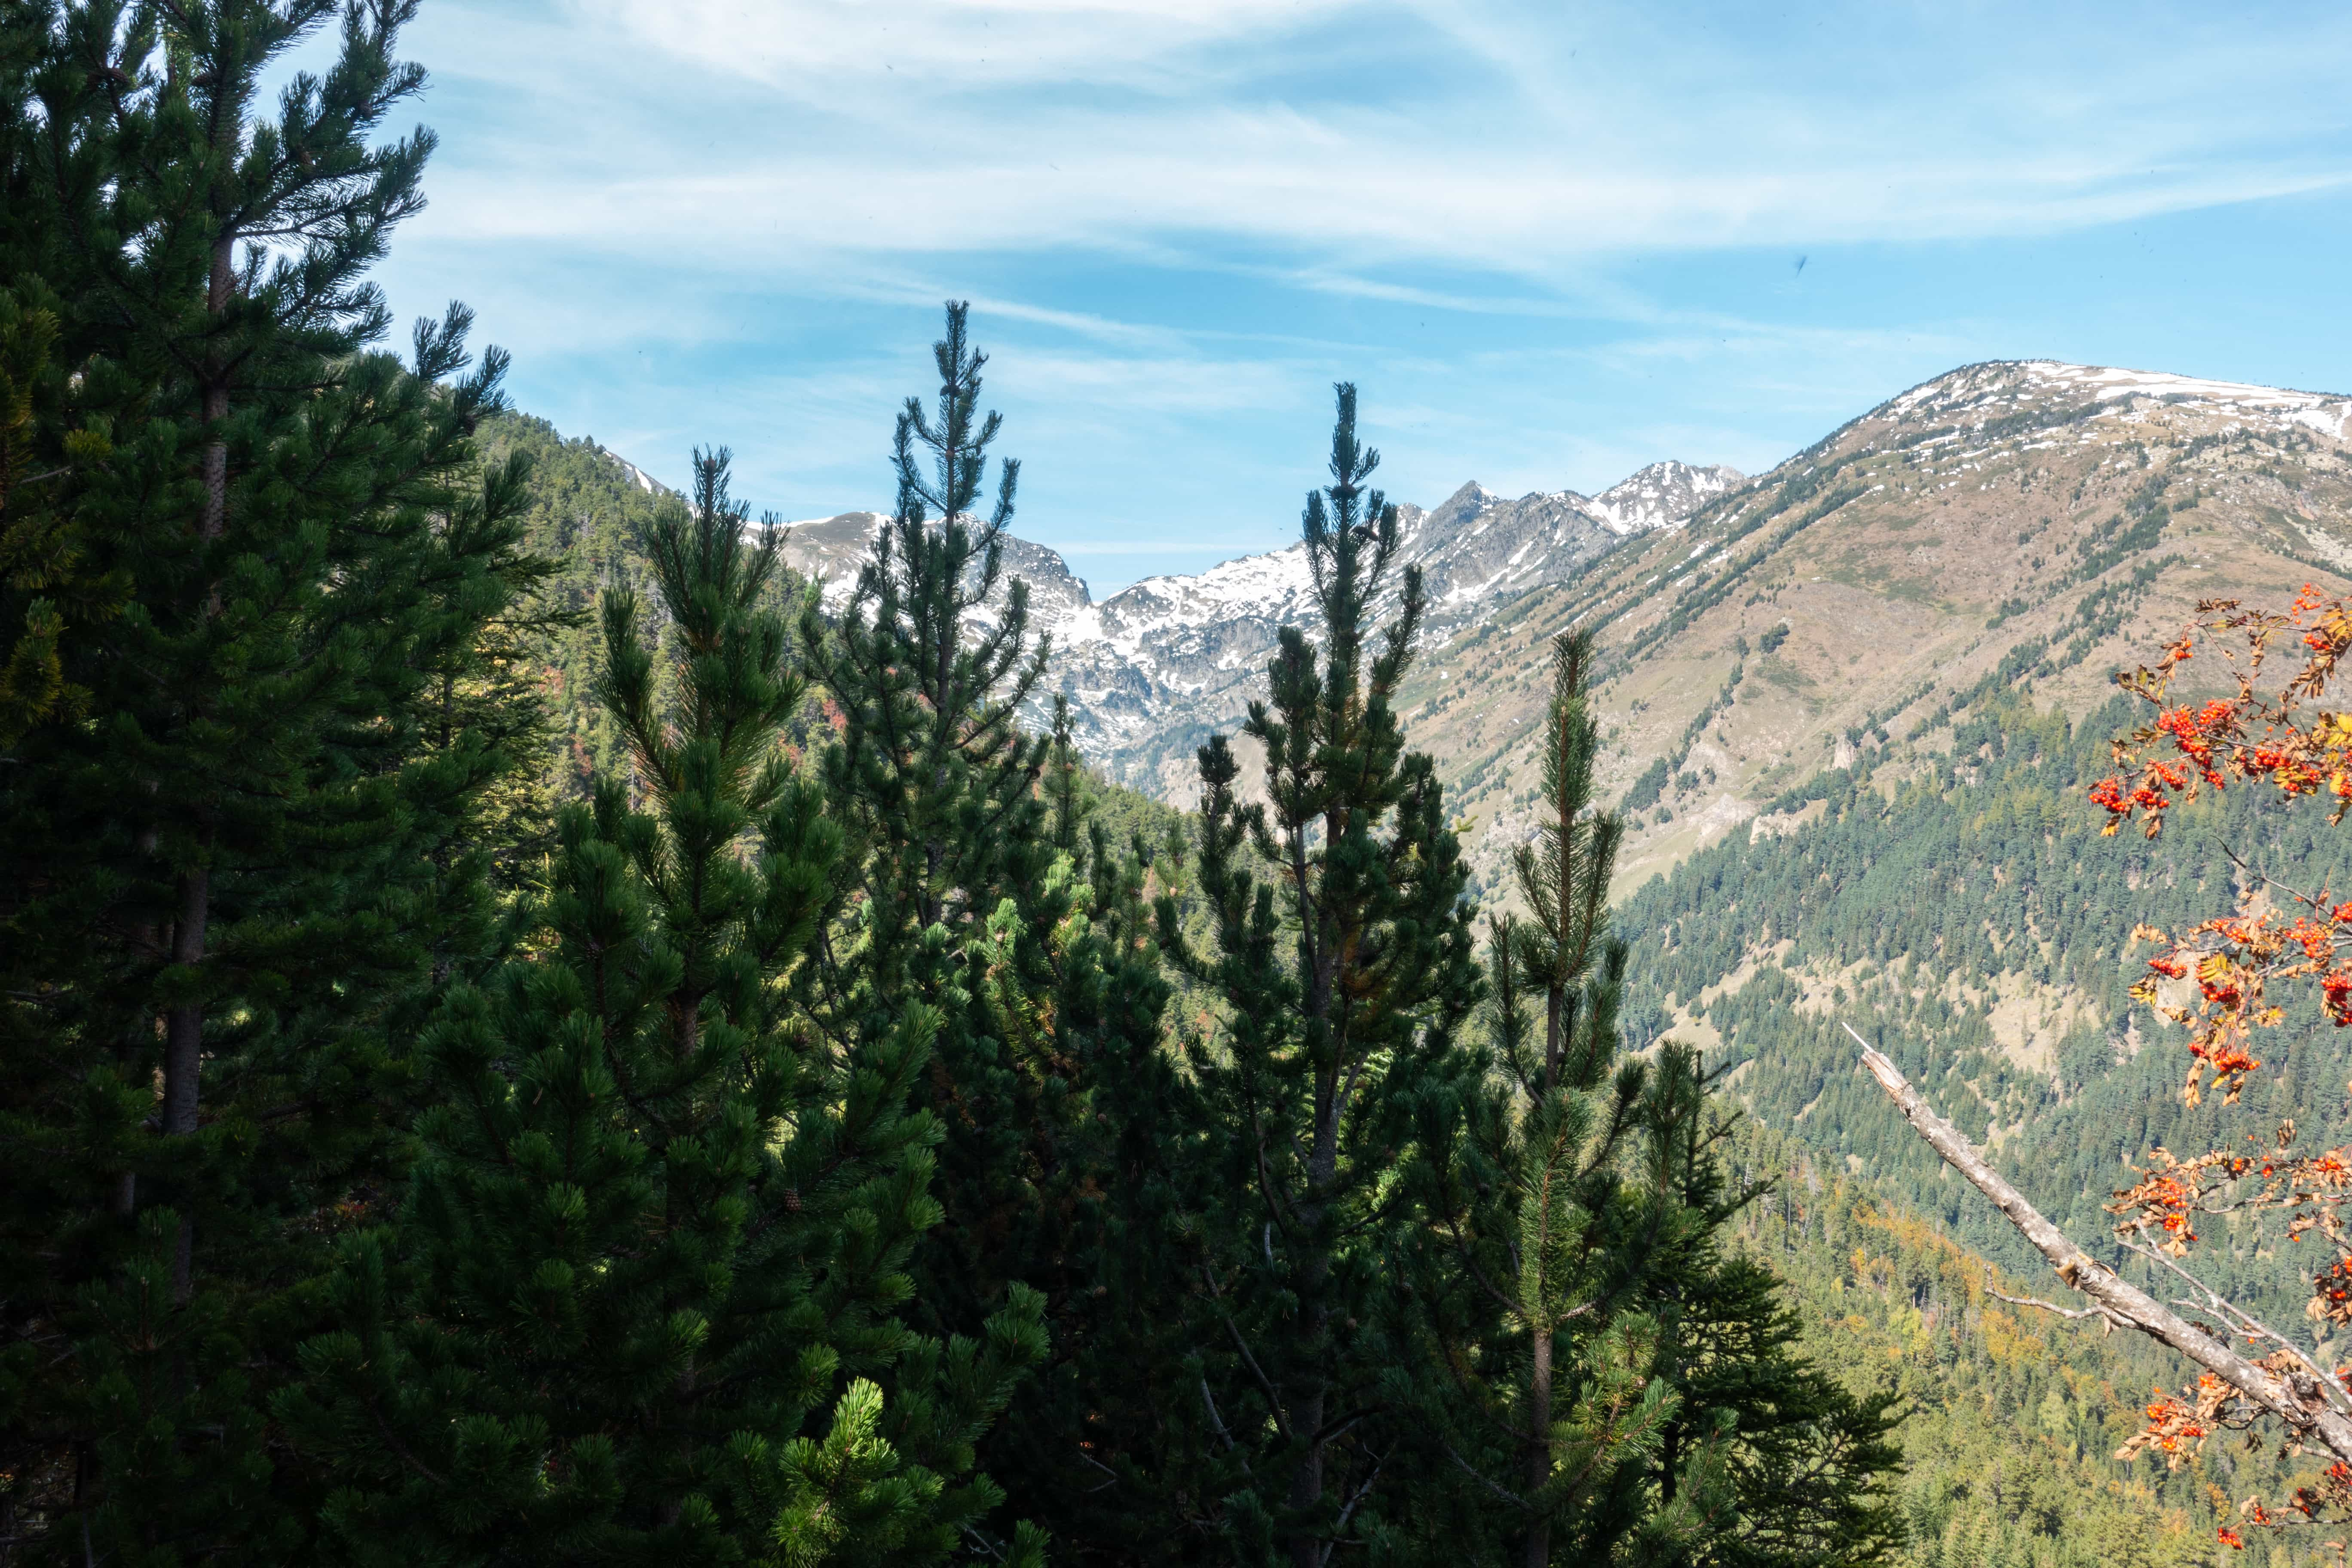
point(1987, 521)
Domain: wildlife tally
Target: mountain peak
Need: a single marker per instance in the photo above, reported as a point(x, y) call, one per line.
point(828, 550)
point(1663, 495)
point(1997, 388)
point(1461, 506)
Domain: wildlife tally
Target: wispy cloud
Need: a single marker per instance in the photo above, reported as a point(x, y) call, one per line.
point(1534, 231)
point(778, 136)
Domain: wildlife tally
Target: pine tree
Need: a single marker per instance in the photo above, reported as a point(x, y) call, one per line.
point(239, 810)
point(1621, 1387)
point(942, 789)
point(644, 1299)
point(983, 890)
point(941, 777)
point(1341, 964)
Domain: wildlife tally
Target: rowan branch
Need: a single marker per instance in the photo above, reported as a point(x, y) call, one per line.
point(2246, 1324)
point(2307, 1412)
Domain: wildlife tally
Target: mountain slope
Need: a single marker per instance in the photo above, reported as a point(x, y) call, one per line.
point(2033, 521)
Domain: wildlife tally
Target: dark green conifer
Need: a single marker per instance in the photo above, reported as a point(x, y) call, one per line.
point(982, 887)
point(644, 1300)
point(1621, 1389)
point(1340, 964)
point(250, 560)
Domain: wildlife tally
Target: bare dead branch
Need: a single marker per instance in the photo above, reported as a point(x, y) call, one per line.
point(2301, 1403)
point(1219, 1422)
point(1341, 1523)
point(2073, 1313)
point(2243, 1323)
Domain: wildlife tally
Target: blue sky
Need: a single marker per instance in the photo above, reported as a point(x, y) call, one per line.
point(1552, 242)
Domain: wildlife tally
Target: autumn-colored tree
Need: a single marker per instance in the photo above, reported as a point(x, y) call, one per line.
point(2228, 979)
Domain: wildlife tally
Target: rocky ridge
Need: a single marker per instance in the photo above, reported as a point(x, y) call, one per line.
point(1153, 668)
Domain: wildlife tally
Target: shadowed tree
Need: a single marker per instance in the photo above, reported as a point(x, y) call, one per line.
point(245, 806)
point(1620, 1388)
point(977, 884)
point(1340, 961)
point(647, 1295)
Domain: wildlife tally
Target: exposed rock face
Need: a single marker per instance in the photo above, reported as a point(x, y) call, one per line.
point(829, 550)
point(1152, 670)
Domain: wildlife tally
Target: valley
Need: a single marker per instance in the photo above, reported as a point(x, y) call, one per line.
point(551, 1012)
point(1853, 704)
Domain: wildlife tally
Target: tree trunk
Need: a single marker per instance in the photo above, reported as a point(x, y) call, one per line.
point(1552, 1001)
point(222, 284)
point(183, 1035)
point(140, 1038)
point(1540, 1448)
point(1306, 1482)
point(1306, 1414)
point(183, 1026)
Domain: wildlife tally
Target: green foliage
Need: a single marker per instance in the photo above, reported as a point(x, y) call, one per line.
point(1647, 786)
point(591, 515)
point(255, 578)
point(983, 883)
point(1341, 961)
point(781, 1151)
point(1624, 1389)
point(2009, 1418)
point(1928, 900)
point(644, 1299)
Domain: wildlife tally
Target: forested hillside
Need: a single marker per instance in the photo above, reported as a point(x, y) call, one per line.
point(1964, 913)
point(2012, 1419)
point(1951, 898)
point(1959, 906)
point(532, 1034)
point(587, 511)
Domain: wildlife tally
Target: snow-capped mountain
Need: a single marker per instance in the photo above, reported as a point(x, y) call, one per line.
point(1664, 495)
point(1154, 667)
point(2027, 524)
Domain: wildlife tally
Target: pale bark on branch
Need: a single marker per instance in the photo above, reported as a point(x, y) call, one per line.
point(2297, 1399)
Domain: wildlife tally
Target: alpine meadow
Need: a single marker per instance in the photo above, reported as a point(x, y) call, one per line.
point(551, 1016)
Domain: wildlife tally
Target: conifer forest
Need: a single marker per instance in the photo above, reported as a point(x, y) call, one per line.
point(543, 1022)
